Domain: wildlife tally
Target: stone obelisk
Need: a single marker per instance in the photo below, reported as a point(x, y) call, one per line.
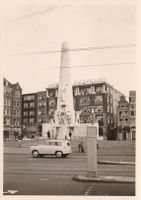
point(64, 115)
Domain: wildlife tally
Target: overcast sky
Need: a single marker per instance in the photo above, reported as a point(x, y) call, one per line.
point(34, 29)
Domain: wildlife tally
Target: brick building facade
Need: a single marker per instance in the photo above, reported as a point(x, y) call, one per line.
point(87, 96)
point(29, 114)
point(12, 109)
point(126, 117)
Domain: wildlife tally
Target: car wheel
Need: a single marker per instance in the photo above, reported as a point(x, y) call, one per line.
point(35, 154)
point(59, 154)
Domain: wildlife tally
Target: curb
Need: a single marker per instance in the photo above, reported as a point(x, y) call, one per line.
point(106, 162)
point(104, 179)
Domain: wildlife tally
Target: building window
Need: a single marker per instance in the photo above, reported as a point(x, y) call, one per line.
point(111, 109)
point(120, 121)
point(99, 109)
point(120, 113)
point(7, 92)
point(25, 120)
point(16, 122)
point(52, 93)
point(29, 98)
point(132, 122)
point(122, 106)
point(52, 103)
point(7, 102)
point(41, 97)
point(108, 109)
point(25, 105)
point(31, 120)
point(17, 103)
point(51, 111)
point(31, 113)
point(84, 91)
point(84, 101)
point(39, 120)
point(6, 83)
point(99, 89)
point(25, 113)
point(132, 113)
point(108, 119)
point(41, 104)
point(111, 100)
point(31, 105)
point(41, 112)
point(126, 121)
point(7, 111)
point(132, 106)
point(17, 112)
point(17, 93)
point(6, 121)
point(98, 99)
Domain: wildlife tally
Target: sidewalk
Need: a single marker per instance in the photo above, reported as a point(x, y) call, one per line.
point(104, 179)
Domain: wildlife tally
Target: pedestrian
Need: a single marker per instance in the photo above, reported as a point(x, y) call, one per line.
point(48, 134)
point(20, 141)
point(70, 134)
point(81, 147)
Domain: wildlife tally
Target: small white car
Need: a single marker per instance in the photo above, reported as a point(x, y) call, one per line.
point(59, 148)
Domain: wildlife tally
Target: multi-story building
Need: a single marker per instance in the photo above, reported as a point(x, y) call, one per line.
point(92, 100)
point(29, 114)
point(41, 110)
point(34, 113)
point(12, 109)
point(132, 114)
point(123, 123)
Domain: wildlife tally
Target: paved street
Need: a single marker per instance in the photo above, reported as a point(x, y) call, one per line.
point(52, 176)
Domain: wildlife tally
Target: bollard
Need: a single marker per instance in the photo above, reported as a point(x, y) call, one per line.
point(92, 151)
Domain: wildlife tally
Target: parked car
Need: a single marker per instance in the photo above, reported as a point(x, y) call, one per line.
point(59, 148)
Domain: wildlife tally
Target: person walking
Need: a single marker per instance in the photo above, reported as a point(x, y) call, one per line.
point(81, 146)
point(70, 134)
point(20, 141)
point(48, 134)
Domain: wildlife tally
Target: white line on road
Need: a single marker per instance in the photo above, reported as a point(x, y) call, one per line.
point(30, 159)
point(89, 189)
point(10, 192)
point(44, 179)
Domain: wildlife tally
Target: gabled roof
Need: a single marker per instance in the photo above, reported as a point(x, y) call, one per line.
point(16, 86)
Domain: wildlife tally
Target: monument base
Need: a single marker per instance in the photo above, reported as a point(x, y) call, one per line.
point(62, 132)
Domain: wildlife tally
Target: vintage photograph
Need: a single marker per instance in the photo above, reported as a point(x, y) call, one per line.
point(69, 100)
